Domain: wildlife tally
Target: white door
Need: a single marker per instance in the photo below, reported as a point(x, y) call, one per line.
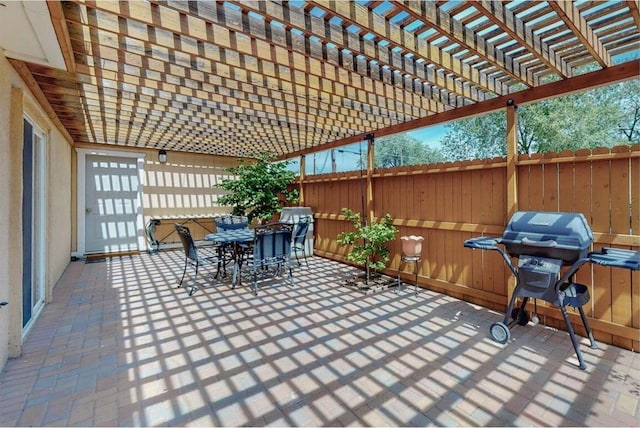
point(111, 204)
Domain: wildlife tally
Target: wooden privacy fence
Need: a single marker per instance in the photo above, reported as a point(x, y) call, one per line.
point(449, 203)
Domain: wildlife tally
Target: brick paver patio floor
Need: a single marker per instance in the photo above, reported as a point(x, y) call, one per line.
point(120, 346)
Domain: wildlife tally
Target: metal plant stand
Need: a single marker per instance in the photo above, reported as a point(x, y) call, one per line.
point(415, 259)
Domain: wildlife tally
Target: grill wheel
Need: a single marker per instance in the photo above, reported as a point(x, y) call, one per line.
point(500, 332)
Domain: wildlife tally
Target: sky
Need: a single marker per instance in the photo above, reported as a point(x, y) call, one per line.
point(347, 157)
point(430, 136)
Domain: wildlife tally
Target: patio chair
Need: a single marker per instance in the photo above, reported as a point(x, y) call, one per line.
point(230, 222)
point(271, 251)
point(191, 256)
point(299, 238)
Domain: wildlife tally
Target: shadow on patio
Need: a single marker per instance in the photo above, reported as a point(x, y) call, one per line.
point(119, 345)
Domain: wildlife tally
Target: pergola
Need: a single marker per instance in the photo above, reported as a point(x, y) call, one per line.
point(87, 84)
point(295, 77)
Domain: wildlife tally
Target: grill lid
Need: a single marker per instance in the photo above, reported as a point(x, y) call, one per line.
point(552, 230)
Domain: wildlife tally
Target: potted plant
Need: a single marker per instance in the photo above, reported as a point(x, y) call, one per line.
point(412, 245)
point(260, 188)
point(368, 243)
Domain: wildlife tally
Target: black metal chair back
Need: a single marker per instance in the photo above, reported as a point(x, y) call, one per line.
point(230, 222)
point(299, 239)
point(271, 248)
point(272, 242)
point(189, 246)
point(191, 256)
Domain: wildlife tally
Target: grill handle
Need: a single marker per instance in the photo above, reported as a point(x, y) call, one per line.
point(546, 244)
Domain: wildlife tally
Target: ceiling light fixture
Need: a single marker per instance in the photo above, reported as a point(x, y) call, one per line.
point(162, 156)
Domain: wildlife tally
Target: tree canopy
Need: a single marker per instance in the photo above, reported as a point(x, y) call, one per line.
point(602, 117)
point(401, 149)
point(259, 189)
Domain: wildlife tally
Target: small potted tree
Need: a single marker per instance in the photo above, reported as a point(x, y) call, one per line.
point(368, 243)
point(259, 189)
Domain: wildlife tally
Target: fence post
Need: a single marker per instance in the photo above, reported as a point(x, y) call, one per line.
point(369, 138)
point(512, 158)
point(512, 174)
point(303, 167)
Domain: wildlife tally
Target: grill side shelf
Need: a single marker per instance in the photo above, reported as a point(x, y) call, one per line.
point(616, 257)
point(491, 244)
point(483, 243)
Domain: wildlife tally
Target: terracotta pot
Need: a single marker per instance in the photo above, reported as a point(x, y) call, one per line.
point(412, 245)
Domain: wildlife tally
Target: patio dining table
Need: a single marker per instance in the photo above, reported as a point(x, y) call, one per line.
point(233, 240)
point(230, 237)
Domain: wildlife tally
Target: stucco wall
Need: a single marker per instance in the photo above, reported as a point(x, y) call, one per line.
point(16, 100)
point(5, 204)
point(187, 184)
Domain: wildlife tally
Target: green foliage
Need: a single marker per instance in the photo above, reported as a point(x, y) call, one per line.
point(399, 150)
point(368, 241)
point(476, 138)
point(602, 117)
point(259, 189)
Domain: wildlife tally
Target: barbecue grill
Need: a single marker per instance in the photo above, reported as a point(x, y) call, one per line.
point(550, 247)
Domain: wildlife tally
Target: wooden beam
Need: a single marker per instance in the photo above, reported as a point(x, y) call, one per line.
point(634, 7)
point(514, 27)
point(445, 24)
point(265, 60)
point(578, 25)
point(25, 74)
point(62, 33)
point(372, 50)
point(418, 48)
point(614, 74)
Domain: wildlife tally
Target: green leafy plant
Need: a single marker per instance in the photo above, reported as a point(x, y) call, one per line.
point(260, 188)
point(368, 241)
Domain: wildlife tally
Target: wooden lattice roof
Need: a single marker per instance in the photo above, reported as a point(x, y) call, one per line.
point(232, 78)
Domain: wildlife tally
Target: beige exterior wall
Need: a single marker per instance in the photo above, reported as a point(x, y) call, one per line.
point(187, 185)
point(5, 204)
point(16, 101)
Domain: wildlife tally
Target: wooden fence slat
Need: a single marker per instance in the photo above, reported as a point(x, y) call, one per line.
point(566, 186)
point(635, 305)
point(476, 197)
point(421, 185)
point(602, 293)
point(619, 200)
point(432, 197)
point(440, 198)
point(536, 202)
point(449, 195)
point(499, 196)
point(466, 190)
point(451, 248)
point(621, 310)
point(601, 194)
point(583, 189)
point(523, 188)
point(448, 203)
point(635, 195)
point(550, 189)
point(410, 196)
